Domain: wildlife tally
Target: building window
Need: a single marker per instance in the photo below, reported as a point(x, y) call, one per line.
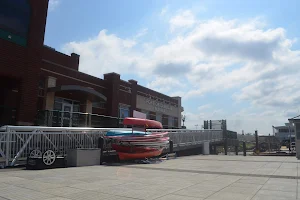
point(14, 20)
point(98, 105)
point(170, 121)
point(124, 112)
point(147, 113)
point(41, 92)
point(159, 117)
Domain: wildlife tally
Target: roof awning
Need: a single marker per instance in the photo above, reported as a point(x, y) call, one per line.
point(87, 90)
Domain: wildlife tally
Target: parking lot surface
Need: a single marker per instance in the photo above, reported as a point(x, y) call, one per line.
point(190, 178)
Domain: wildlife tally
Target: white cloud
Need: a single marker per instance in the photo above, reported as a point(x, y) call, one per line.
point(165, 84)
point(141, 33)
point(105, 53)
point(164, 10)
point(204, 107)
point(53, 4)
point(183, 19)
point(212, 56)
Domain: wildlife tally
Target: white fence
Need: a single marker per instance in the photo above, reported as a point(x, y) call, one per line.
point(185, 137)
point(18, 142)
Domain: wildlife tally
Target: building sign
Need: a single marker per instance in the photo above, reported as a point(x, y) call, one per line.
point(158, 106)
point(149, 104)
point(140, 115)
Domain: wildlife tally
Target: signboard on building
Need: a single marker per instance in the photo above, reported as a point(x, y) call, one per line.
point(140, 115)
point(150, 104)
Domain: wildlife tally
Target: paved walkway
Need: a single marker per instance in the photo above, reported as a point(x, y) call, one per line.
point(185, 178)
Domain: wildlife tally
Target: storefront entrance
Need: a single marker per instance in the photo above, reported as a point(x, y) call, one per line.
point(66, 112)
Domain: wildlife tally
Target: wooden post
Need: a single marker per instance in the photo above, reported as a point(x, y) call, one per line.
point(256, 142)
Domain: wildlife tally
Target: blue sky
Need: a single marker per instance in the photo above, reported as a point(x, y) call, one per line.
point(234, 60)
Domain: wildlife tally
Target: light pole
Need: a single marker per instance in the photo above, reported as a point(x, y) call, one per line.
point(196, 126)
point(183, 119)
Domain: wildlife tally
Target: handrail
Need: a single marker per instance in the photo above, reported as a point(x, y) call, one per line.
point(46, 128)
point(82, 113)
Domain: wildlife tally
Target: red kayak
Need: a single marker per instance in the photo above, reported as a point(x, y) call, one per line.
point(144, 140)
point(139, 155)
point(142, 122)
point(128, 149)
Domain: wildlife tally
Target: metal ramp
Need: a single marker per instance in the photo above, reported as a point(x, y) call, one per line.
point(18, 142)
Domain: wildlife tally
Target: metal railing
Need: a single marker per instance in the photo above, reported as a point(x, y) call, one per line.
point(185, 137)
point(54, 118)
point(18, 142)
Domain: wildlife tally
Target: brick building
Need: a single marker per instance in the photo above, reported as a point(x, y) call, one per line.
point(35, 78)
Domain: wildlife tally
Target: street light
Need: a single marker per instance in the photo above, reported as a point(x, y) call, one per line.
point(183, 119)
point(196, 126)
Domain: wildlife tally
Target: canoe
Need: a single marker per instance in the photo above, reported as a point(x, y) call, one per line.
point(124, 133)
point(143, 139)
point(138, 137)
point(139, 155)
point(128, 149)
point(116, 135)
point(145, 143)
point(142, 122)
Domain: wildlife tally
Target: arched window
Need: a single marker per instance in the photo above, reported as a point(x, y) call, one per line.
point(15, 17)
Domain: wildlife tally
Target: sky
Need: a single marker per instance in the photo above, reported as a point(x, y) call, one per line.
point(227, 59)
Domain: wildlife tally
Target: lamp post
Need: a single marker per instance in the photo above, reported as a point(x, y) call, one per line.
point(183, 119)
point(196, 126)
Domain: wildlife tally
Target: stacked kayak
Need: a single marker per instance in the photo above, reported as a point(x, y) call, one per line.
point(138, 144)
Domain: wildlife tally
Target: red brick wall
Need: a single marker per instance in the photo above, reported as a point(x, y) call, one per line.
point(113, 93)
point(51, 55)
point(124, 97)
point(24, 62)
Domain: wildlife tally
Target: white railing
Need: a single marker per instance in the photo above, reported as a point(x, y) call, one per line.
point(185, 137)
point(18, 142)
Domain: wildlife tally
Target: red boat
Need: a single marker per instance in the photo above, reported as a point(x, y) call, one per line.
point(132, 149)
point(146, 137)
point(147, 123)
point(139, 155)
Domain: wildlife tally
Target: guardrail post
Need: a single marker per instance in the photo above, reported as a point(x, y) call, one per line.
point(7, 153)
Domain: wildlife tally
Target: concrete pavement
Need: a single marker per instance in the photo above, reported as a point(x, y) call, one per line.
point(190, 178)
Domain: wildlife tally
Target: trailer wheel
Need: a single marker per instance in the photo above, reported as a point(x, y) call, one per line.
point(36, 153)
point(49, 157)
